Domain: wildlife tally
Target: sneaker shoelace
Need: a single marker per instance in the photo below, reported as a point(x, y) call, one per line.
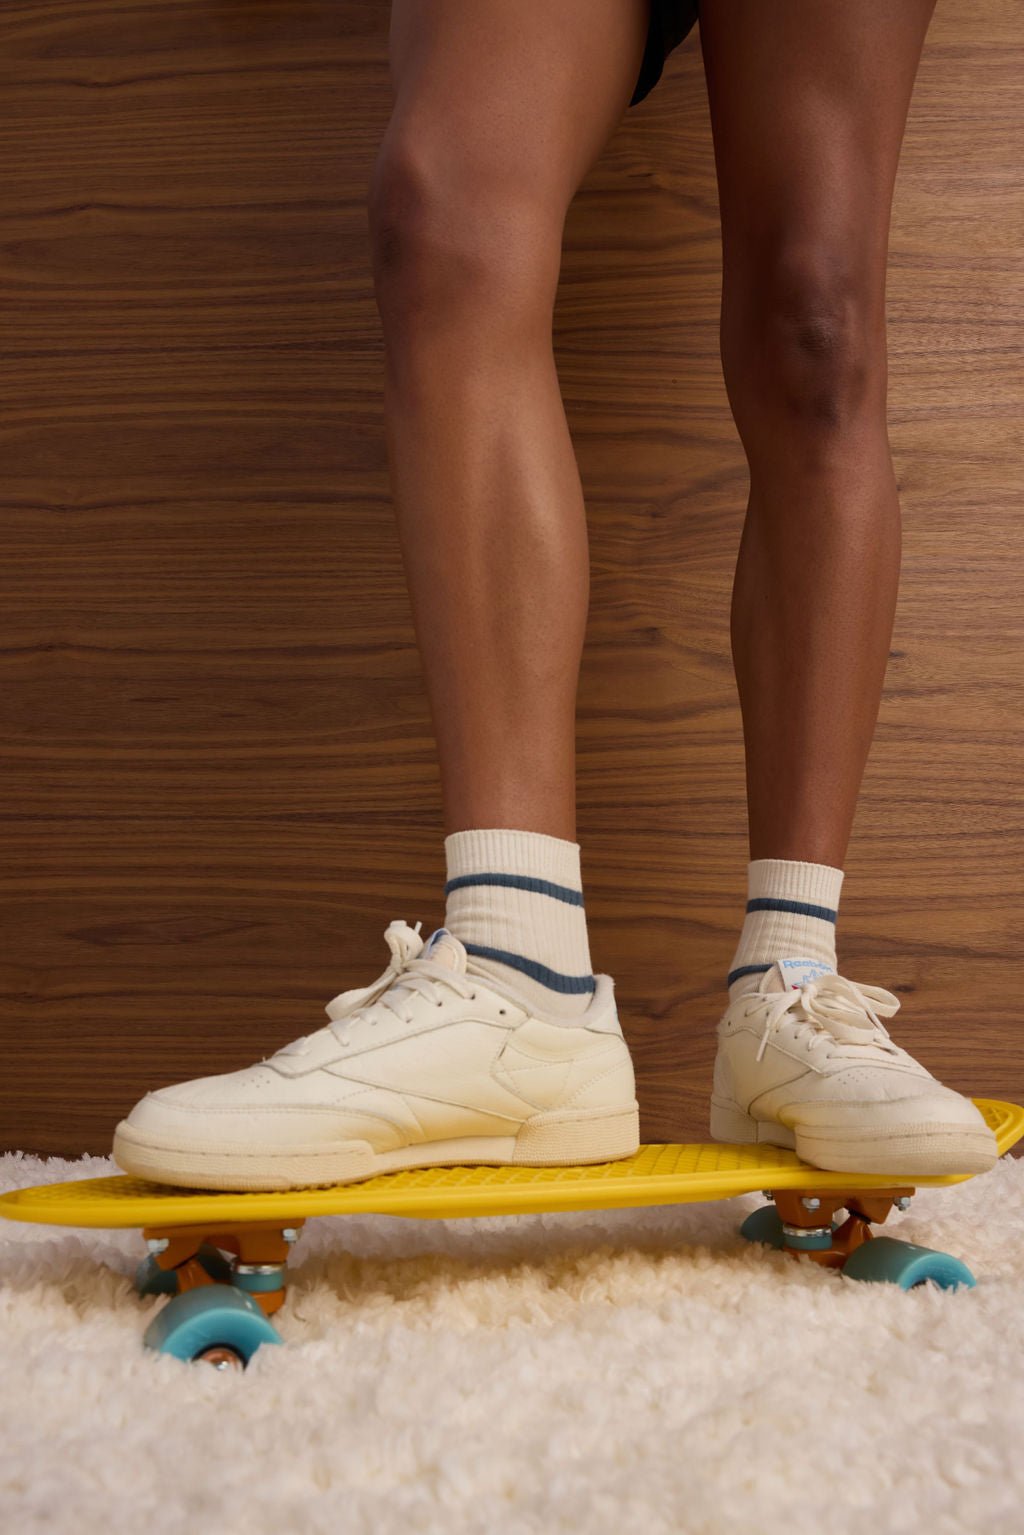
point(406, 973)
point(831, 1010)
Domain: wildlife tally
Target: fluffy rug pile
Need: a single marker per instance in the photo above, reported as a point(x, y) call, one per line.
point(627, 1371)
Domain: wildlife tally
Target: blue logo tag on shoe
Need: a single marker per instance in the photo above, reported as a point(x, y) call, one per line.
point(797, 972)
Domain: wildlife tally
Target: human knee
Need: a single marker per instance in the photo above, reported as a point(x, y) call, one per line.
point(446, 233)
point(806, 341)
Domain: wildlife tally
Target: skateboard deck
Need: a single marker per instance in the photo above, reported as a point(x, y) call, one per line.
point(221, 1304)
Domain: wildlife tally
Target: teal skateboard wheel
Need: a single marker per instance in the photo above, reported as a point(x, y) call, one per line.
point(906, 1264)
point(215, 1322)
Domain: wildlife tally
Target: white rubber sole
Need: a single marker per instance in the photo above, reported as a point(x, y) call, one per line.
point(930, 1149)
point(558, 1138)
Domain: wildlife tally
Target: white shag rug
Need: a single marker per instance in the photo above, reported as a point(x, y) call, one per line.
point(625, 1371)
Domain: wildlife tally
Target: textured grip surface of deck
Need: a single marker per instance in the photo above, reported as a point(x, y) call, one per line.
point(657, 1174)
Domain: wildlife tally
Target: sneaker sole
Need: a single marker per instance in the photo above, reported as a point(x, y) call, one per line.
point(567, 1138)
point(927, 1150)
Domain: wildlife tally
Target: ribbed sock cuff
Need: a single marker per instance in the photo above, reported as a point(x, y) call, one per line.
point(514, 852)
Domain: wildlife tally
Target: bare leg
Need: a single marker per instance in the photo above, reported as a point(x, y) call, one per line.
point(808, 107)
point(501, 108)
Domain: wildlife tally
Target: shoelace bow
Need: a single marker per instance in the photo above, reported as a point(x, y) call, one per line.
point(406, 967)
point(834, 1009)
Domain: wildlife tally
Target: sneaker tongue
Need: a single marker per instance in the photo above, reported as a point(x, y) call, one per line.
point(790, 974)
point(445, 949)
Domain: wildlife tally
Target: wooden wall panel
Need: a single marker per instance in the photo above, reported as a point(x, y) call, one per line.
point(218, 777)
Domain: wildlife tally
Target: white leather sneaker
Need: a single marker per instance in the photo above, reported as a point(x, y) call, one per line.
point(427, 1066)
point(805, 1062)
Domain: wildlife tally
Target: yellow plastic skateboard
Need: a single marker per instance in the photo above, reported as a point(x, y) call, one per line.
point(222, 1258)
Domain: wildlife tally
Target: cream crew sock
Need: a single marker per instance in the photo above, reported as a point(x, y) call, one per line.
point(515, 900)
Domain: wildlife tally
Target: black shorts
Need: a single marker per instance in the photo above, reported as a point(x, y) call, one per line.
point(671, 20)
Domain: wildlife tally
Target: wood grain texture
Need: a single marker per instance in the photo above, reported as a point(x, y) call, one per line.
point(218, 775)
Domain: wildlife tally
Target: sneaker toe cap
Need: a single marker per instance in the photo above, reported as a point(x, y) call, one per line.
point(203, 1098)
point(243, 1111)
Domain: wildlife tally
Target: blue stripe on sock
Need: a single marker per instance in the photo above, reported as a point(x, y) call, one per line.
point(801, 908)
point(734, 975)
point(519, 882)
point(553, 979)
